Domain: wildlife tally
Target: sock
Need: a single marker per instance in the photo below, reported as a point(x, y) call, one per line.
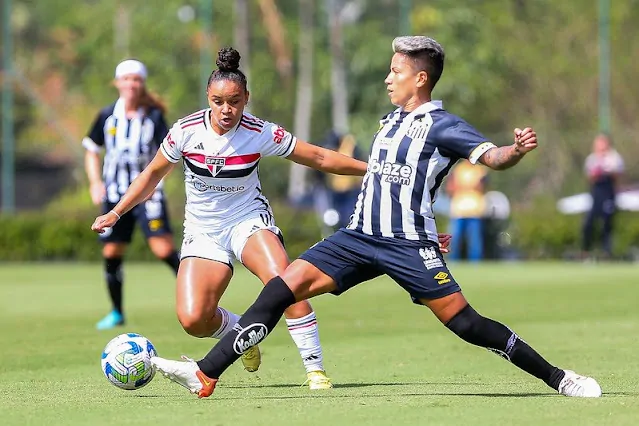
point(113, 269)
point(173, 260)
point(229, 319)
point(498, 338)
point(305, 334)
point(253, 327)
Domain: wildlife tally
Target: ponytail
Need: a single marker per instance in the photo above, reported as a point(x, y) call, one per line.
point(149, 100)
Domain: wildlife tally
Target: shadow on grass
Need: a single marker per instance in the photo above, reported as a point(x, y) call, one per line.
point(350, 385)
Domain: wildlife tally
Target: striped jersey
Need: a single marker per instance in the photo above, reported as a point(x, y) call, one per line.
point(221, 171)
point(129, 144)
point(411, 154)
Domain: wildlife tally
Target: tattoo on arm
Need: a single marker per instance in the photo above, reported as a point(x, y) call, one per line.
point(501, 158)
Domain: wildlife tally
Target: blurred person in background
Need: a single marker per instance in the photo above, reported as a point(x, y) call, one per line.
point(603, 167)
point(466, 188)
point(129, 132)
point(345, 189)
point(337, 193)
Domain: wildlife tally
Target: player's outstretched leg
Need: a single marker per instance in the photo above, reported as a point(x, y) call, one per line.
point(496, 337)
point(302, 326)
point(253, 327)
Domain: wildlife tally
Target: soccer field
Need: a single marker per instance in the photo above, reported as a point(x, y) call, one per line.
point(391, 361)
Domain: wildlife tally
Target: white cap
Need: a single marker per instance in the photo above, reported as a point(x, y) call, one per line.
point(130, 66)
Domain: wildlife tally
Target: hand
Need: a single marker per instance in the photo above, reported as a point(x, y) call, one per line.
point(98, 192)
point(444, 242)
point(525, 140)
point(105, 221)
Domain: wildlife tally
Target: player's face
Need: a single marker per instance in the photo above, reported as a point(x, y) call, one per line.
point(227, 100)
point(130, 87)
point(403, 80)
point(601, 145)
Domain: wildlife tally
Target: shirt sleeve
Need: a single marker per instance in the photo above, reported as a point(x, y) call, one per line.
point(94, 140)
point(618, 164)
point(171, 146)
point(463, 140)
point(276, 141)
point(161, 129)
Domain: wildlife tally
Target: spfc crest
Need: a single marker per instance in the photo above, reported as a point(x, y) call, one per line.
point(215, 164)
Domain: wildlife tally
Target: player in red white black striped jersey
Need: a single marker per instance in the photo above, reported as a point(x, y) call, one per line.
point(226, 216)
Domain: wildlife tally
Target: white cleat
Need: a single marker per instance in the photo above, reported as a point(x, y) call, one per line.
point(186, 374)
point(579, 386)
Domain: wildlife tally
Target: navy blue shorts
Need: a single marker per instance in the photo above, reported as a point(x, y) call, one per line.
point(350, 257)
point(151, 216)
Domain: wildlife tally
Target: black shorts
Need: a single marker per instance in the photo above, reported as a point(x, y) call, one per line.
point(152, 216)
point(351, 257)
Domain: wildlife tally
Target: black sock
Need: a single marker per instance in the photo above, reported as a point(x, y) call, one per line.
point(253, 327)
point(498, 338)
point(173, 260)
point(113, 269)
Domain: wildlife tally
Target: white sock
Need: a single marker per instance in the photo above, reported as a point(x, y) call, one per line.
point(229, 319)
point(305, 334)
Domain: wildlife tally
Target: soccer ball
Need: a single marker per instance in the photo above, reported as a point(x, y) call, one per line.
point(126, 361)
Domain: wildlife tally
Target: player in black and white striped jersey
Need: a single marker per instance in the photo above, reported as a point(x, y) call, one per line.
point(129, 132)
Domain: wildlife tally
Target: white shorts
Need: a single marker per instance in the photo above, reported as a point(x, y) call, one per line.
point(227, 245)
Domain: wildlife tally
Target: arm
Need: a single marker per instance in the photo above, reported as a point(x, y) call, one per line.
point(505, 157)
point(326, 160)
point(94, 172)
point(141, 188)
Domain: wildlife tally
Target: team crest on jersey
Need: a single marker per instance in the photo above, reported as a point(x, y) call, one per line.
point(215, 164)
point(417, 130)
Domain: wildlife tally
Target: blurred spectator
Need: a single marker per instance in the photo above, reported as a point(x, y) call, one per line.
point(335, 195)
point(466, 188)
point(345, 189)
point(603, 168)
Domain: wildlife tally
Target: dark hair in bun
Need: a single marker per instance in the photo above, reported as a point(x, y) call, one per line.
point(228, 59)
point(228, 67)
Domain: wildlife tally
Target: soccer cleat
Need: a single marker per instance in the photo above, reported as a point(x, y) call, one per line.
point(113, 319)
point(186, 374)
point(579, 386)
point(251, 359)
point(317, 380)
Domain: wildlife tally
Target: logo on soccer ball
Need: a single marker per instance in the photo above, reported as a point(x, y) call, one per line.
point(249, 336)
point(215, 164)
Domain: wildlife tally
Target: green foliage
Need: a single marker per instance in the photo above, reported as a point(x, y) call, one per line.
point(510, 63)
point(542, 232)
point(67, 236)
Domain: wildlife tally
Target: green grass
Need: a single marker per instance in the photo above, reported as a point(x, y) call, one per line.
point(391, 361)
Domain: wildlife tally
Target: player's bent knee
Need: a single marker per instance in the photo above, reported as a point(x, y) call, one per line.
point(195, 325)
point(113, 250)
point(161, 247)
point(464, 322)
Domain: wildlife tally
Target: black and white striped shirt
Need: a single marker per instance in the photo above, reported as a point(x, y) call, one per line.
point(130, 143)
point(411, 154)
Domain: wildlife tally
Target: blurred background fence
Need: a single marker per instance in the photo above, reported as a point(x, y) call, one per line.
point(566, 68)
